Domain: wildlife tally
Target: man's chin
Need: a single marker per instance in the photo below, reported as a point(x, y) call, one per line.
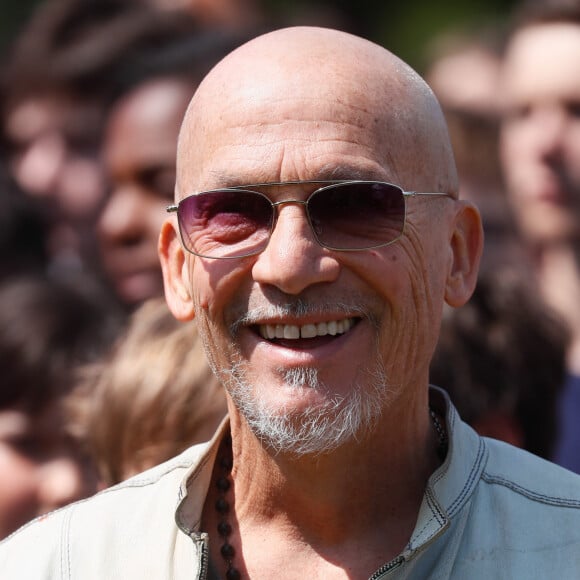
point(310, 430)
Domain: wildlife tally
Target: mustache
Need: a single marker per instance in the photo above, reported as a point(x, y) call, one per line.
point(299, 308)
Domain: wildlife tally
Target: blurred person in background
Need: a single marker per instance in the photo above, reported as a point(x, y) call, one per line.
point(60, 79)
point(502, 359)
point(149, 398)
point(46, 330)
point(55, 87)
point(464, 73)
point(540, 151)
point(139, 149)
point(22, 231)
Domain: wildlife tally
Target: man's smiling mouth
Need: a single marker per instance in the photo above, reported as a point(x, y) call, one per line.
point(294, 331)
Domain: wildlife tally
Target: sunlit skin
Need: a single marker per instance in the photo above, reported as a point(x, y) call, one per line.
point(139, 151)
point(292, 113)
point(39, 468)
point(541, 130)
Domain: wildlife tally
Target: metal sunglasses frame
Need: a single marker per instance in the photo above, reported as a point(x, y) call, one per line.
point(326, 184)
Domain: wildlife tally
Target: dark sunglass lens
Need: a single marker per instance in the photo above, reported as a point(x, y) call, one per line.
point(228, 223)
point(358, 215)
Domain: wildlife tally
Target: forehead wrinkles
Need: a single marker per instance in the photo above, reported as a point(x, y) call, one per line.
point(299, 138)
point(288, 138)
point(294, 118)
point(277, 142)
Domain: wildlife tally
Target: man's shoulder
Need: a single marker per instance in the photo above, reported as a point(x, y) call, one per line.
point(530, 476)
point(503, 474)
point(523, 519)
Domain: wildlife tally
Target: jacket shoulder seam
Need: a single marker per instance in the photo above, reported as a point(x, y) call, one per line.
point(554, 500)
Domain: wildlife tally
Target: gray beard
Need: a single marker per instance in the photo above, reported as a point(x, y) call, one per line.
point(319, 429)
point(316, 430)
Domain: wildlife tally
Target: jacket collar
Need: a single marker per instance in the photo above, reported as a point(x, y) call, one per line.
point(447, 491)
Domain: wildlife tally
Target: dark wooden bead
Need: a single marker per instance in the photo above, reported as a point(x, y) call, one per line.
point(226, 463)
point(224, 529)
point(223, 484)
point(222, 506)
point(232, 574)
point(228, 551)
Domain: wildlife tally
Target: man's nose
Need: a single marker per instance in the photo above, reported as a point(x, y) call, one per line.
point(293, 259)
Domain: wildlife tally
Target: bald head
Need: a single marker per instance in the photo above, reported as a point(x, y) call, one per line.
point(311, 103)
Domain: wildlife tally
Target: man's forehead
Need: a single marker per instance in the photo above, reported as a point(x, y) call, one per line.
point(256, 85)
point(292, 150)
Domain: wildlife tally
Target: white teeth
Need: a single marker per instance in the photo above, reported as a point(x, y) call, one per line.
point(322, 329)
point(292, 331)
point(308, 331)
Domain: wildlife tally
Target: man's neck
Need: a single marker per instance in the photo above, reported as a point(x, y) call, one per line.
point(360, 499)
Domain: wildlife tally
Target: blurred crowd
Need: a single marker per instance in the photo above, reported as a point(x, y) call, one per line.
point(100, 382)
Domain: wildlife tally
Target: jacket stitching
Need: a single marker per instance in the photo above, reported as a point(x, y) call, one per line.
point(533, 495)
point(437, 515)
point(475, 470)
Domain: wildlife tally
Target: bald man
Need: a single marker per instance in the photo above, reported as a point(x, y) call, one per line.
point(315, 238)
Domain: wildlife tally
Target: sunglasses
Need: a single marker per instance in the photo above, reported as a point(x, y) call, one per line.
point(345, 216)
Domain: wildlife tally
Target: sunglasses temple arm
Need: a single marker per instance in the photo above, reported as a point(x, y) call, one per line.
point(433, 193)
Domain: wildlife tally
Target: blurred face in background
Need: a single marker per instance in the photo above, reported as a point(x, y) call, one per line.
point(40, 468)
point(139, 151)
point(540, 141)
point(53, 155)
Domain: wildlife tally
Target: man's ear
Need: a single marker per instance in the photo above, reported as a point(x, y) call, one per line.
point(466, 248)
point(175, 273)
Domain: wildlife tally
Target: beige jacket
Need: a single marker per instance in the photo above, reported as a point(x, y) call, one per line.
point(489, 512)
